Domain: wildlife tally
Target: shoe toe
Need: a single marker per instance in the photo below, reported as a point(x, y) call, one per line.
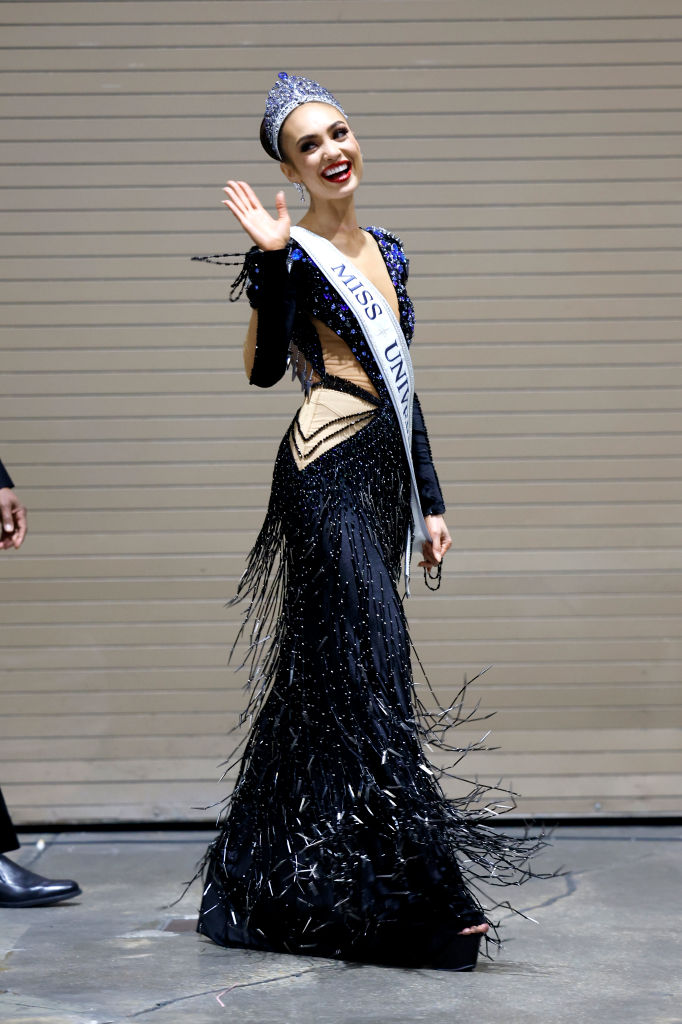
point(20, 887)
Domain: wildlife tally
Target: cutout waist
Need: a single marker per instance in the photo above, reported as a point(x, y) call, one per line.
point(334, 383)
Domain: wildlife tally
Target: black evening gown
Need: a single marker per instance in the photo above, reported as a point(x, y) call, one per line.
point(337, 839)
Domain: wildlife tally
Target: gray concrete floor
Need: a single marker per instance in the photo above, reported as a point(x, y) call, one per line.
point(606, 946)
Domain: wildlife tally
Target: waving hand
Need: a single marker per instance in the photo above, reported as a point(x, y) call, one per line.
point(265, 231)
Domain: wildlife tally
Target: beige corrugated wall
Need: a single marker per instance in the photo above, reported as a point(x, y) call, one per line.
point(530, 155)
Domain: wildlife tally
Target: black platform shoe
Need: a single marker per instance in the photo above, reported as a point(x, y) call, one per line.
point(459, 954)
point(22, 888)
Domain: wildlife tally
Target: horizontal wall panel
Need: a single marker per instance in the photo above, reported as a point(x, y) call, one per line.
point(274, 12)
point(202, 200)
point(132, 314)
point(592, 744)
point(124, 112)
point(565, 503)
point(463, 379)
point(572, 698)
point(583, 675)
point(565, 400)
point(169, 530)
point(168, 511)
point(477, 655)
point(471, 494)
point(90, 155)
point(545, 786)
point(520, 766)
point(230, 565)
point(84, 460)
point(199, 723)
point(239, 126)
point(582, 629)
point(341, 57)
point(245, 161)
point(458, 214)
point(201, 811)
point(439, 345)
point(537, 425)
point(246, 31)
point(226, 82)
point(620, 589)
point(613, 288)
point(441, 240)
point(483, 269)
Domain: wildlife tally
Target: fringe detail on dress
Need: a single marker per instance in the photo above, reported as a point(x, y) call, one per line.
point(337, 839)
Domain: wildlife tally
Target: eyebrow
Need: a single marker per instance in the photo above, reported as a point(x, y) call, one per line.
point(304, 138)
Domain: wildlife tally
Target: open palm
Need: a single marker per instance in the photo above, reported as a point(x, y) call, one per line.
point(265, 231)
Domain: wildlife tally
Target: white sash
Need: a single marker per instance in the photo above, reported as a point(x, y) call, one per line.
point(387, 344)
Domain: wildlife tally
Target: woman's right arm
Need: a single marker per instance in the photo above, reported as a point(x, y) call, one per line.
point(273, 301)
point(270, 293)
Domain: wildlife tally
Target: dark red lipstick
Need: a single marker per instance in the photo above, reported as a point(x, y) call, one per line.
point(338, 172)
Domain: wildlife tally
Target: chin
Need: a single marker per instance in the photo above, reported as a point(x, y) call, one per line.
point(345, 188)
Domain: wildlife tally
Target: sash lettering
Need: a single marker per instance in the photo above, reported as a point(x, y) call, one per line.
point(393, 357)
point(364, 297)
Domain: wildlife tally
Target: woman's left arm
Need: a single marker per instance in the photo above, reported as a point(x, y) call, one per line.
point(430, 494)
point(428, 487)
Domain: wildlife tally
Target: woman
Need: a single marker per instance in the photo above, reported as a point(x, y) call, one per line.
point(337, 840)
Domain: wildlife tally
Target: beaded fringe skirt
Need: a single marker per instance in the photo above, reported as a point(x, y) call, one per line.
point(337, 839)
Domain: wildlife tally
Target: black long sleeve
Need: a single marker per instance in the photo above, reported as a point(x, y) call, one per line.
point(271, 293)
point(5, 478)
point(430, 494)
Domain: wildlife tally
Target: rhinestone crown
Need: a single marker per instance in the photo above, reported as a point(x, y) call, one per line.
point(289, 92)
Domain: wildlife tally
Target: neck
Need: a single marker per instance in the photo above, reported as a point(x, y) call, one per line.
point(335, 221)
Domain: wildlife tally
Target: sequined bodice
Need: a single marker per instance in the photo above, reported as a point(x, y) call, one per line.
point(316, 297)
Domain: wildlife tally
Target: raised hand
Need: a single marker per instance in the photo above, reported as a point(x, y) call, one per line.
point(265, 231)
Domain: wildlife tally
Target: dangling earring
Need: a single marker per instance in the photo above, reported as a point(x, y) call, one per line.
point(301, 192)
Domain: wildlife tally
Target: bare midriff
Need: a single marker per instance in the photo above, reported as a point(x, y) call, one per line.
point(338, 359)
point(336, 354)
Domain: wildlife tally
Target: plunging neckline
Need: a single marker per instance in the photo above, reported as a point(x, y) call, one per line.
point(391, 296)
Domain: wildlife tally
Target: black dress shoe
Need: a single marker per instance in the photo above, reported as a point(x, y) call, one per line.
point(22, 888)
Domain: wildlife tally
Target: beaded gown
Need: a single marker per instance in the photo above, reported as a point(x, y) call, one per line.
point(337, 839)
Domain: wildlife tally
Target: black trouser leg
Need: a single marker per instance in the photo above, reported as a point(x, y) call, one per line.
point(8, 836)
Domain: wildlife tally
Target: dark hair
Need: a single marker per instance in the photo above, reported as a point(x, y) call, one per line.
point(265, 142)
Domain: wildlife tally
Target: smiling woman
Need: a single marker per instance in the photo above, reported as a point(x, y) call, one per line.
point(338, 839)
point(326, 138)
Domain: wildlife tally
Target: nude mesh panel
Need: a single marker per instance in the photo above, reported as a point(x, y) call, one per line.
point(324, 420)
